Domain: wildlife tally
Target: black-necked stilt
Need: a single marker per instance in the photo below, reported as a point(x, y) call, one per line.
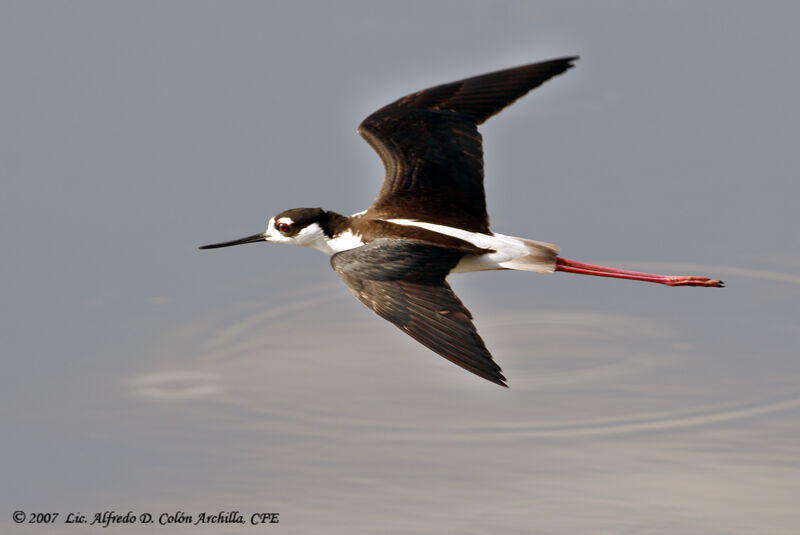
point(430, 220)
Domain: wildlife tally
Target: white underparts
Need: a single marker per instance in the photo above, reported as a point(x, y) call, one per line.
point(510, 252)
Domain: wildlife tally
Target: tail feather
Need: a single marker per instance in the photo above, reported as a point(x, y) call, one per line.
point(541, 257)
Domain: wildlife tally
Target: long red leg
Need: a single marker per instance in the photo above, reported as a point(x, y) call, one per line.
point(571, 266)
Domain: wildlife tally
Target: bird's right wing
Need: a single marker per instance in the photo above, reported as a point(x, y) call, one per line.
point(404, 282)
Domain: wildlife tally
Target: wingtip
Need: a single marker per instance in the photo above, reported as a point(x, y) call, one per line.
point(499, 380)
point(559, 65)
point(568, 60)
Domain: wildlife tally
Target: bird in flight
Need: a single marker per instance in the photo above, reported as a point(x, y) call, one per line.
point(429, 218)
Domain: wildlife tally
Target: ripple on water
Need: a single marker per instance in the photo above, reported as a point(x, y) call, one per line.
point(593, 373)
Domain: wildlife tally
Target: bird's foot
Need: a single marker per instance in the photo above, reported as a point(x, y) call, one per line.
point(693, 281)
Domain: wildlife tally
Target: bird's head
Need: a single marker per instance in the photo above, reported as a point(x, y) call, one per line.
point(298, 226)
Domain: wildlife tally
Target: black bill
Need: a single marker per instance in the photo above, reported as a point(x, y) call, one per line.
point(249, 239)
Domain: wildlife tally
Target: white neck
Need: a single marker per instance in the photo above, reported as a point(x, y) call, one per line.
point(344, 241)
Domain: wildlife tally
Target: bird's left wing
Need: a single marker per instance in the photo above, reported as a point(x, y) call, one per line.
point(404, 282)
point(431, 148)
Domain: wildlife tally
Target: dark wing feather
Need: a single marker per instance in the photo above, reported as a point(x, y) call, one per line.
point(403, 282)
point(431, 148)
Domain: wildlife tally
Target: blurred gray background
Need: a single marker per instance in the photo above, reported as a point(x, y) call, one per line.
point(139, 373)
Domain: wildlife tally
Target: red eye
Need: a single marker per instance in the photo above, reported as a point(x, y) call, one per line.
point(283, 227)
